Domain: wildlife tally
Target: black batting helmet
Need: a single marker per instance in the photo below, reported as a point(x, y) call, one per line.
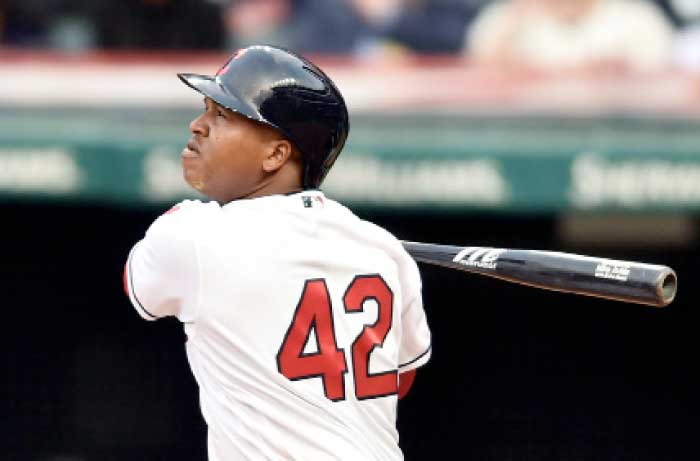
point(281, 89)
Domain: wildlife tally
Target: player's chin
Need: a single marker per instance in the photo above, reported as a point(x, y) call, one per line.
point(193, 177)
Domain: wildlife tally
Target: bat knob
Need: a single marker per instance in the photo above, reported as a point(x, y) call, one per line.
point(668, 287)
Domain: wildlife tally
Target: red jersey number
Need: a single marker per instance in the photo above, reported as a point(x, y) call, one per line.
point(364, 288)
point(314, 313)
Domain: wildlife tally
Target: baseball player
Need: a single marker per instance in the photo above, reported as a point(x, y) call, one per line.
point(305, 324)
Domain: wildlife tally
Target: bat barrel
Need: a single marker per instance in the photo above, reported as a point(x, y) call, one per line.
point(604, 278)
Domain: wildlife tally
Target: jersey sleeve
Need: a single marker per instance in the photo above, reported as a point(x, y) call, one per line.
point(161, 276)
point(415, 348)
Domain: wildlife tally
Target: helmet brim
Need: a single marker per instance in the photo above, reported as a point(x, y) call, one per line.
point(211, 88)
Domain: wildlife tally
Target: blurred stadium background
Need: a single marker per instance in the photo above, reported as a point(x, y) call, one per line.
point(550, 124)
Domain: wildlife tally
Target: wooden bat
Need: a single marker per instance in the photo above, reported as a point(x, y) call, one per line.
point(626, 281)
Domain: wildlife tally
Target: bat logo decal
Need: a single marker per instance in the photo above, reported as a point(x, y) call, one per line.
point(483, 258)
point(615, 270)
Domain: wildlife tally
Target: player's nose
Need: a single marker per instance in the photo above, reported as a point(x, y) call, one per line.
point(199, 126)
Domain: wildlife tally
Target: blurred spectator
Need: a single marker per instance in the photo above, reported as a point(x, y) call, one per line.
point(159, 24)
point(372, 28)
point(375, 19)
point(71, 27)
point(25, 23)
point(434, 26)
point(687, 50)
point(595, 35)
point(56, 24)
point(3, 18)
point(250, 22)
point(358, 27)
point(312, 26)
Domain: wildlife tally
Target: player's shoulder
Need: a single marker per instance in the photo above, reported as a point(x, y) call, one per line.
point(380, 233)
point(373, 232)
point(386, 240)
point(188, 208)
point(183, 216)
point(393, 247)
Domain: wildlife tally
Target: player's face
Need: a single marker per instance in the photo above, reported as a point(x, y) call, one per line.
point(224, 155)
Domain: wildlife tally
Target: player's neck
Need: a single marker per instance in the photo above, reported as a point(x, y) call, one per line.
point(283, 182)
point(265, 191)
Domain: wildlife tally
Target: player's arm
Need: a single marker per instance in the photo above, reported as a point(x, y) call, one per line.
point(405, 382)
point(161, 275)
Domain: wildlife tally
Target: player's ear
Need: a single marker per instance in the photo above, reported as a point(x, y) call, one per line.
point(278, 153)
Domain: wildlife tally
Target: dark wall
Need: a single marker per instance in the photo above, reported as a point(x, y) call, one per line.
point(516, 374)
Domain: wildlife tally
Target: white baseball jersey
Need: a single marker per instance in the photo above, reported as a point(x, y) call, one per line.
point(299, 318)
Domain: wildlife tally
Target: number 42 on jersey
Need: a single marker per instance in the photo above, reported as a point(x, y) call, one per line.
point(314, 313)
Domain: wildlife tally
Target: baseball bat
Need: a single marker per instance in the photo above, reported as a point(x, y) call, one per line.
point(626, 281)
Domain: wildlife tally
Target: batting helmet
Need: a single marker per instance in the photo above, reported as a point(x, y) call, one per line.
point(287, 92)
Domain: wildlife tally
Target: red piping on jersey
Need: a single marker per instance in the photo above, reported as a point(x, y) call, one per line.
point(126, 286)
point(173, 209)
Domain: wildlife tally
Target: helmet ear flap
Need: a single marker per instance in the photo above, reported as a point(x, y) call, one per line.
point(285, 91)
point(315, 178)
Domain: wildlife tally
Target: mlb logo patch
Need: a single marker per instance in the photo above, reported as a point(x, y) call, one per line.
point(309, 201)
